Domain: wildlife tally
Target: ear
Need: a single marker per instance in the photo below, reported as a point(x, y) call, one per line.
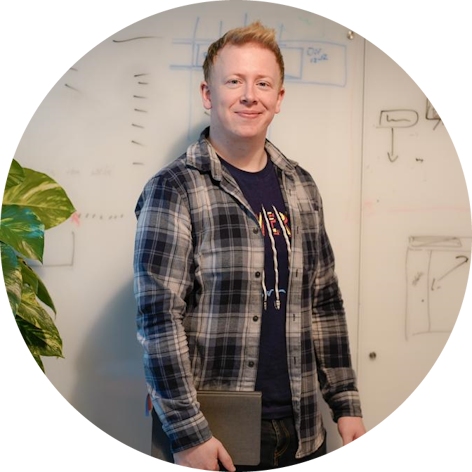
point(279, 99)
point(205, 92)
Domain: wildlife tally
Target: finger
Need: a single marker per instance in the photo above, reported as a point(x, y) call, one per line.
point(359, 434)
point(225, 459)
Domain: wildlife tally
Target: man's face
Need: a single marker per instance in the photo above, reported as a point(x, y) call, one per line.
point(244, 92)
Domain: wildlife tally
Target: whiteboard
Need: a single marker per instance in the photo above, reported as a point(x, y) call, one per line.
point(129, 107)
point(416, 237)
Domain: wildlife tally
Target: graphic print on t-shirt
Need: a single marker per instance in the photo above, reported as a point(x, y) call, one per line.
point(275, 225)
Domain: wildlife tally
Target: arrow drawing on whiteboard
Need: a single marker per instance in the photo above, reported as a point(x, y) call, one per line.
point(391, 155)
point(465, 259)
point(394, 119)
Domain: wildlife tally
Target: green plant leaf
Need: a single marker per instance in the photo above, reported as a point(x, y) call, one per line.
point(37, 358)
point(32, 279)
point(42, 195)
point(16, 175)
point(12, 274)
point(45, 337)
point(28, 274)
point(23, 231)
point(35, 343)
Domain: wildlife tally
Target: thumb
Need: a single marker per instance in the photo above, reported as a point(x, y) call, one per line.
point(347, 438)
point(225, 458)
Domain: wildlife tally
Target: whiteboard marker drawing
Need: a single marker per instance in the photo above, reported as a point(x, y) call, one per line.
point(138, 96)
point(140, 83)
point(437, 269)
point(72, 88)
point(394, 119)
point(432, 114)
point(73, 69)
point(135, 39)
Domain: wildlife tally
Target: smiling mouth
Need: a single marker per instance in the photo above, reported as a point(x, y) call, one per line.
point(247, 114)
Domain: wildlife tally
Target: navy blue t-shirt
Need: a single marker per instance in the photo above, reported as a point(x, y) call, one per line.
point(262, 191)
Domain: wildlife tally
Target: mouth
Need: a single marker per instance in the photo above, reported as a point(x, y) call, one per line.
point(248, 114)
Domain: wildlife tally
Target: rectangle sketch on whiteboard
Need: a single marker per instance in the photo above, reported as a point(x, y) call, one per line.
point(59, 249)
point(437, 270)
point(306, 61)
point(315, 62)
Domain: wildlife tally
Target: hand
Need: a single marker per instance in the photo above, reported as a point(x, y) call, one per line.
point(205, 456)
point(350, 428)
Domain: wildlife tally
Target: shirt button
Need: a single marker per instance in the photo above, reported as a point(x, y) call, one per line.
point(258, 274)
point(255, 318)
point(250, 364)
point(255, 230)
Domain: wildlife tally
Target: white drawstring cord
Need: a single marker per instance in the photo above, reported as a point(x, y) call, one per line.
point(274, 255)
point(284, 231)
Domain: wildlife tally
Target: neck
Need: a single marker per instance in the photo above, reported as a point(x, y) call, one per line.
point(245, 154)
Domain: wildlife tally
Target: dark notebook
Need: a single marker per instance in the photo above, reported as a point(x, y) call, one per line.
point(234, 419)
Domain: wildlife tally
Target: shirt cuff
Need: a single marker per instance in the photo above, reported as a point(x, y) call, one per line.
point(345, 404)
point(188, 433)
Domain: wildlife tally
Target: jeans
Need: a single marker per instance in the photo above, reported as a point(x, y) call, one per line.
point(279, 444)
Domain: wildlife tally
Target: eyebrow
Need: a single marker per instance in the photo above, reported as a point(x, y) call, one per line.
point(236, 74)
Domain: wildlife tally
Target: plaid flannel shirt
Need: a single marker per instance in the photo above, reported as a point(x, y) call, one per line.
point(199, 256)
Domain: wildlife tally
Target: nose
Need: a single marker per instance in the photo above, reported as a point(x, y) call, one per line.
point(249, 95)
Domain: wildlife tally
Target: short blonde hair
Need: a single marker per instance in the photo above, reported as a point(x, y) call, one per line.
point(253, 33)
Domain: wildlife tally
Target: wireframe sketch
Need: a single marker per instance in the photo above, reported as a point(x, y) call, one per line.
point(304, 59)
point(437, 270)
point(315, 62)
point(432, 114)
point(394, 119)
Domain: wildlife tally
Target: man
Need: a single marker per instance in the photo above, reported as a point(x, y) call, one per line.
point(234, 274)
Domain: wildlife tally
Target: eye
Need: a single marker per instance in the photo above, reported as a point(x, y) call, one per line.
point(233, 82)
point(264, 84)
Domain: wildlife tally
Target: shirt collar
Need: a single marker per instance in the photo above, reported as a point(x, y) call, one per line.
point(202, 156)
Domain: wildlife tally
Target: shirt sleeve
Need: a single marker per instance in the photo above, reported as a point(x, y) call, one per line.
point(163, 279)
point(335, 373)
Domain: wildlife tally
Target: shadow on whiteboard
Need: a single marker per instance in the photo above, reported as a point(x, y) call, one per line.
point(437, 269)
point(109, 388)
